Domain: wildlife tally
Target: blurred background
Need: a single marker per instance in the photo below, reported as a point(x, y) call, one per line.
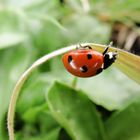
point(30, 29)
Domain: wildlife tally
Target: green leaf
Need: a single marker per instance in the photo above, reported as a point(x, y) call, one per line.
point(127, 62)
point(75, 112)
point(33, 94)
point(9, 39)
point(52, 135)
point(125, 124)
point(105, 90)
point(44, 126)
point(37, 121)
point(31, 114)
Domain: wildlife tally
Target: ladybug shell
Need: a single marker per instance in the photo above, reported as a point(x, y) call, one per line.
point(83, 62)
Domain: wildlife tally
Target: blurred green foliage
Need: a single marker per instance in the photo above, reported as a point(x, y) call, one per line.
point(31, 29)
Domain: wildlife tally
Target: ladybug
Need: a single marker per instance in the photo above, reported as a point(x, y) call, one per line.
point(85, 62)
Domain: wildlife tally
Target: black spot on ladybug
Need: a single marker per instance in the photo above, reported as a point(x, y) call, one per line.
point(99, 70)
point(84, 69)
point(69, 58)
point(89, 56)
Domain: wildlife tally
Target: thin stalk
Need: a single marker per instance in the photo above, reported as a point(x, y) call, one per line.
point(74, 82)
point(126, 62)
point(21, 81)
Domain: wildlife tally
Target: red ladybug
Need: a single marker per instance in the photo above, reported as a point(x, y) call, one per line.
point(88, 62)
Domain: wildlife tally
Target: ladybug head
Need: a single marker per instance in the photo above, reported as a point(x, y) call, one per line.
point(109, 59)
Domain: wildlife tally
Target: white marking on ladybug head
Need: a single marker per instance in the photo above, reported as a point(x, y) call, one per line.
point(110, 55)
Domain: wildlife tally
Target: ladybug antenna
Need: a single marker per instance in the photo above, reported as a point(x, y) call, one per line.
point(110, 44)
point(106, 49)
point(78, 46)
point(87, 46)
point(83, 47)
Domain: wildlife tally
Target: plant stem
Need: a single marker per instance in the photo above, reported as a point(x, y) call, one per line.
point(74, 82)
point(21, 81)
point(126, 62)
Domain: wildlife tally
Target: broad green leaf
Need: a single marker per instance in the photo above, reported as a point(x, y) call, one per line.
point(37, 124)
point(127, 62)
point(125, 124)
point(33, 95)
point(52, 135)
point(31, 114)
point(33, 111)
point(11, 39)
point(111, 89)
point(75, 112)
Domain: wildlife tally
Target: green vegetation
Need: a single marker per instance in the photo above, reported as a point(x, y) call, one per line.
point(104, 107)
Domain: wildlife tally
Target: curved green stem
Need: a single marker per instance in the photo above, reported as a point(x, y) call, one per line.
point(25, 75)
point(127, 63)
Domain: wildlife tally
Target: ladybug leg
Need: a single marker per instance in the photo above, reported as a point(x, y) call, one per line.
point(106, 49)
point(83, 47)
point(88, 47)
point(99, 70)
point(109, 59)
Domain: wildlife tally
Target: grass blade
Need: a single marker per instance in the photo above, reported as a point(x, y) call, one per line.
point(127, 62)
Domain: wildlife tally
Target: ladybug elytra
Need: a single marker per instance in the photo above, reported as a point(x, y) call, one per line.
point(88, 62)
